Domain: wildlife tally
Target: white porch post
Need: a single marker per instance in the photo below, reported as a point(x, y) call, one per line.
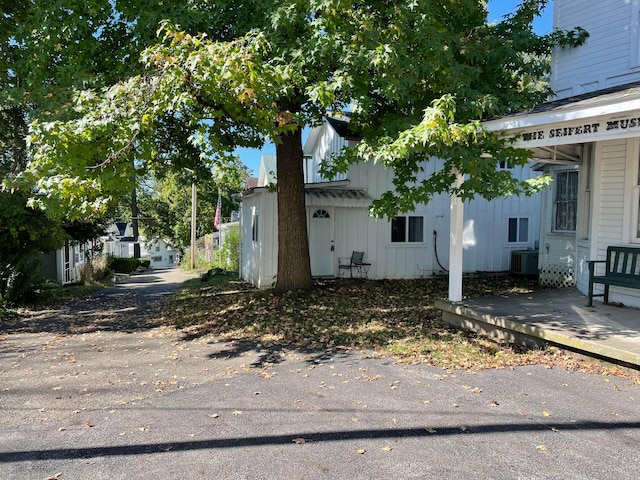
point(455, 245)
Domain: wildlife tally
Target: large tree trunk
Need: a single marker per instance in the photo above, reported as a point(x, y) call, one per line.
point(294, 266)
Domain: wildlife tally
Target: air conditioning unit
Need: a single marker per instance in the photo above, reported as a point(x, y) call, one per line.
point(524, 262)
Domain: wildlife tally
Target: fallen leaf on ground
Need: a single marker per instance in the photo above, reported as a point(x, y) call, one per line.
point(545, 413)
point(298, 441)
point(236, 412)
point(542, 447)
point(361, 451)
point(55, 476)
point(431, 430)
point(387, 448)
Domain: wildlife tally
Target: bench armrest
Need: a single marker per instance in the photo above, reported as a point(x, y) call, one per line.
point(592, 265)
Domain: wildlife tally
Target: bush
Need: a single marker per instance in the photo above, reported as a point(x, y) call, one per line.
point(20, 280)
point(229, 256)
point(95, 270)
point(123, 265)
point(145, 262)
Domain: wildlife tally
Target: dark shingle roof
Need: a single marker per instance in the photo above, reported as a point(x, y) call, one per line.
point(341, 125)
point(606, 95)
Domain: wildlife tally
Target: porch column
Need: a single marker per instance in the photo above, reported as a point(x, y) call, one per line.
point(455, 244)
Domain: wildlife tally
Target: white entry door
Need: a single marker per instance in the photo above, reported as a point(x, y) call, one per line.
point(321, 246)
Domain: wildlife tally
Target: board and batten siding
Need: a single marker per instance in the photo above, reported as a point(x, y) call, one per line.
point(259, 260)
point(485, 240)
point(608, 58)
point(328, 141)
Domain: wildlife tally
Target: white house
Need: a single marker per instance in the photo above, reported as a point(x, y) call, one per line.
point(161, 253)
point(408, 246)
point(65, 264)
point(588, 139)
point(119, 241)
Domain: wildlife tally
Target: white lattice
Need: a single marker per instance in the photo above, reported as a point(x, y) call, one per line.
point(557, 276)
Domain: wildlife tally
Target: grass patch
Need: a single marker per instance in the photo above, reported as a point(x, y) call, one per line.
point(394, 318)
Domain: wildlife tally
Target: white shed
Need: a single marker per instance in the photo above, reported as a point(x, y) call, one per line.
point(408, 246)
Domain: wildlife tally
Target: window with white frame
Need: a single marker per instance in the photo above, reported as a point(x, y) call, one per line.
point(408, 229)
point(565, 204)
point(518, 230)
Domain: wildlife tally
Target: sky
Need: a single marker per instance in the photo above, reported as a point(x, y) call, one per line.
point(497, 8)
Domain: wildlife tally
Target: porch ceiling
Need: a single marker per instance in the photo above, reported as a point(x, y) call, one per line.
point(562, 154)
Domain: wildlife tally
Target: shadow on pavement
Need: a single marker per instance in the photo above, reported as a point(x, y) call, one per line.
point(303, 437)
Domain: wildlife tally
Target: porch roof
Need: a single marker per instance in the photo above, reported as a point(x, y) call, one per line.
point(610, 113)
point(336, 197)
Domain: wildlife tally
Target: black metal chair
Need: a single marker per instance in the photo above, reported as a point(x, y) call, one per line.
point(354, 263)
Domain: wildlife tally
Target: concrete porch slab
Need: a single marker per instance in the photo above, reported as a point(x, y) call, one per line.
point(556, 316)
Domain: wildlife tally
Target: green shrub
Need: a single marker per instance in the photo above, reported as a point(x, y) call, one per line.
point(145, 262)
point(123, 265)
point(228, 258)
point(20, 280)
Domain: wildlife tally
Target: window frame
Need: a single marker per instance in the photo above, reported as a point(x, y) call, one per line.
point(635, 203)
point(409, 230)
point(568, 201)
point(255, 228)
point(518, 233)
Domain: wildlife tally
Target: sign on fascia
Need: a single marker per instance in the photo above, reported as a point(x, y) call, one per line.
point(579, 132)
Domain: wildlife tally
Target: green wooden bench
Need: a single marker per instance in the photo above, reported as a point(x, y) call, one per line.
point(622, 269)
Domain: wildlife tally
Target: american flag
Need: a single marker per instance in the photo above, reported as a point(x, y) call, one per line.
point(218, 217)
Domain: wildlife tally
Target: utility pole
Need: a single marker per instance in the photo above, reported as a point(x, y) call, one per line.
point(193, 224)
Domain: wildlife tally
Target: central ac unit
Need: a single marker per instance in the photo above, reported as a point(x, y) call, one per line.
point(524, 262)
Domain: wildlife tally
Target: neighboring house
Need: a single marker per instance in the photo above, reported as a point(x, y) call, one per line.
point(65, 264)
point(412, 245)
point(588, 139)
point(161, 253)
point(120, 242)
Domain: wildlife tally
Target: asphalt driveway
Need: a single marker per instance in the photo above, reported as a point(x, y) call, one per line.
point(101, 389)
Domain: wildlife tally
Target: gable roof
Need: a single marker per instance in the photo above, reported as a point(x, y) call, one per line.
point(267, 170)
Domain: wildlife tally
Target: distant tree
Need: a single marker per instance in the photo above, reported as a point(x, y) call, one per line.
point(165, 202)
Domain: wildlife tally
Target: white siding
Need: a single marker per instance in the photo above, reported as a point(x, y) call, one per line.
point(326, 142)
point(605, 59)
point(259, 258)
point(486, 246)
point(615, 165)
point(556, 248)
